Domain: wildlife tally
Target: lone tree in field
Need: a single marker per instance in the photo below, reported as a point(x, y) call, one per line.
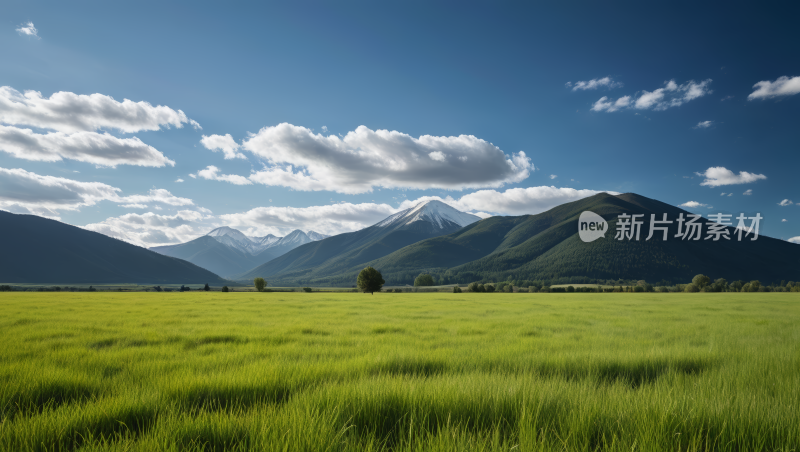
point(260, 284)
point(424, 279)
point(206, 288)
point(370, 280)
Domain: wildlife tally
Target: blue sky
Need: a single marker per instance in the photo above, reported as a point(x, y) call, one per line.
point(480, 105)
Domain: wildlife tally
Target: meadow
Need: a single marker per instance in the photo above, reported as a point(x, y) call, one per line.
point(399, 371)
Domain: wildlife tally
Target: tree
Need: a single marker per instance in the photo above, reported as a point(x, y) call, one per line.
point(206, 288)
point(260, 284)
point(370, 280)
point(225, 288)
point(424, 279)
point(692, 288)
point(701, 281)
point(456, 289)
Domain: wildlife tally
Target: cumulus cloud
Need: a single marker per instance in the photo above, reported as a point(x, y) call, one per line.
point(179, 180)
point(717, 176)
point(91, 147)
point(704, 124)
point(26, 192)
point(212, 173)
point(785, 202)
point(670, 95)
point(693, 204)
point(151, 229)
point(553, 176)
point(27, 29)
point(365, 158)
point(605, 82)
point(69, 112)
point(783, 86)
point(224, 143)
point(748, 192)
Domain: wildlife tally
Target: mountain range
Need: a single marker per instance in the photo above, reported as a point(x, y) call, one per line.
point(334, 260)
point(227, 251)
point(40, 250)
point(547, 247)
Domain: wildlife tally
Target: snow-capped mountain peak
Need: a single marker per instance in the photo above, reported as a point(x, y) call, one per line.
point(229, 232)
point(434, 212)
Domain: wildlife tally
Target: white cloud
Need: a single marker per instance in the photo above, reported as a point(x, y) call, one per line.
point(785, 202)
point(553, 176)
point(91, 147)
point(325, 129)
point(212, 173)
point(69, 112)
point(722, 194)
point(717, 176)
point(784, 220)
point(693, 204)
point(748, 192)
point(365, 159)
point(731, 194)
point(604, 104)
point(151, 229)
point(26, 192)
point(134, 206)
point(783, 86)
point(596, 83)
point(179, 180)
point(704, 124)
point(795, 239)
point(671, 95)
point(224, 143)
point(28, 29)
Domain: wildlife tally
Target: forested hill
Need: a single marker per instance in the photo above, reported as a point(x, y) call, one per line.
point(39, 250)
point(547, 247)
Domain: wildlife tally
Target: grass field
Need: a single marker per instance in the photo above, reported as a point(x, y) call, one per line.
point(353, 372)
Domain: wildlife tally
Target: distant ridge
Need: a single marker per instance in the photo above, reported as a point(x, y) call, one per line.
point(227, 251)
point(341, 254)
point(40, 250)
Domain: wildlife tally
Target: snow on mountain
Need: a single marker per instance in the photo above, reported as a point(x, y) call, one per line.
point(315, 236)
point(434, 212)
point(254, 245)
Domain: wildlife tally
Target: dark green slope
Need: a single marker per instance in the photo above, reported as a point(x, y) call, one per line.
point(547, 247)
point(214, 256)
point(38, 250)
point(316, 262)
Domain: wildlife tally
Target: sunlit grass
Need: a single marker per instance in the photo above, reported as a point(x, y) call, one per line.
point(341, 372)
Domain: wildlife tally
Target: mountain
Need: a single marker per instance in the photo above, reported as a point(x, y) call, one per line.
point(547, 247)
point(39, 250)
point(333, 261)
point(227, 251)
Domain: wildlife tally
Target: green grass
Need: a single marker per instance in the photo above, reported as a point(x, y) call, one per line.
point(354, 372)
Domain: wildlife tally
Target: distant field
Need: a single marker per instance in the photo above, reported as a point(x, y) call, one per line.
point(354, 372)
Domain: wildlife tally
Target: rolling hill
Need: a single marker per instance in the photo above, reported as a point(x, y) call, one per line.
point(39, 250)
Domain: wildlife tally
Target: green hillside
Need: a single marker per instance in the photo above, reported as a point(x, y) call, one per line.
point(39, 250)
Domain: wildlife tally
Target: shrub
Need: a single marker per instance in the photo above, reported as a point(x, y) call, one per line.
point(260, 284)
point(306, 289)
point(570, 289)
point(638, 289)
point(691, 288)
point(424, 279)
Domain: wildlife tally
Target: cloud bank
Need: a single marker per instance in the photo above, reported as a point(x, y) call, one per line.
point(364, 159)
